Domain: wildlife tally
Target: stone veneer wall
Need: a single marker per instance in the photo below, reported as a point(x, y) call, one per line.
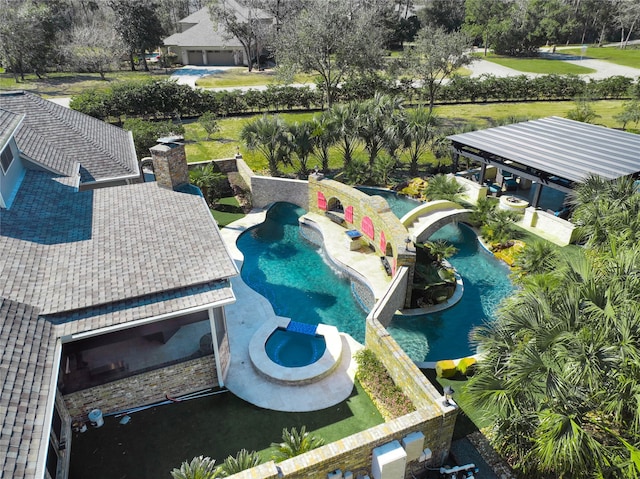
point(144, 388)
point(374, 207)
point(266, 190)
point(170, 165)
point(393, 299)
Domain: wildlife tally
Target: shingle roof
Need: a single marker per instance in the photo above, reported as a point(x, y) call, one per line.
point(59, 138)
point(64, 250)
point(204, 33)
point(8, 123)
point(564, 148)
point(26, 368)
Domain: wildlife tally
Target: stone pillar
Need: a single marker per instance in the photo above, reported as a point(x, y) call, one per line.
point(170, 163)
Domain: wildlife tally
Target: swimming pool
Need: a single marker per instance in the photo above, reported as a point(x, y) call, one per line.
point(293, 275)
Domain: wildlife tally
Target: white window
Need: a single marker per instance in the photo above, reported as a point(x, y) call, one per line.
point(6, 158)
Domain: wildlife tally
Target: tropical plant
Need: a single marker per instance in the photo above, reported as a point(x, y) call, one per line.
point(374, 118)
point(302, 144)
point(482, 211)
point(242, 461)
point(295, 443)
point(536, 257)
point(269, 135)
point(630, 114)
point(324, 137)
point(559, 379)
point(499, 228)
point(213, 184)
point(418, 131)
point(440, 250)
point(443, 187)
point(382, 169)
point(607, 212)
point(199, 468)
point(343, 116)
point(357, 173)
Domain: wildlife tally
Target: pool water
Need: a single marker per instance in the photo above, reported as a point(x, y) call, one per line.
point(294, 350)
point(294, 275)
point(300, 284)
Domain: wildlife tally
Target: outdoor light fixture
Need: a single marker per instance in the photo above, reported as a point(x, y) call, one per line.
point(406, 243)
point(448, 392)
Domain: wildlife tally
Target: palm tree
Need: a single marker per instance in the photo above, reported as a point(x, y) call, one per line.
point(343, 116)
point(210, 182)
point(500, 228)
point(538, 257)
point(269, 135)
point(374, 120)
point(302, 144)
point(295, 443)
point(242, 461)
point(440, 250)
point(443, 187)
point(560, 379)
point(324, 136)
point(199, 468)
point(482, 211)
point(607, 210)
point(418, 131)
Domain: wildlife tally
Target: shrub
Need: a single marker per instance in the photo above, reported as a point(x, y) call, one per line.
point(374, 378)
point(467, 366)
point(445, 368)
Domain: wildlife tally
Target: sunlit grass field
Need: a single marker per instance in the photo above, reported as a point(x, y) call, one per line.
point(537, 65)
point(235, 77)
point(629, 57)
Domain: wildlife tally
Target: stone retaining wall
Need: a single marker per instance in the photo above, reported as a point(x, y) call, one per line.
point(145, 388)
point(266, 190)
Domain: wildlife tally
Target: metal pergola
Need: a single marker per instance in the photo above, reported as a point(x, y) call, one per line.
point(553, 152)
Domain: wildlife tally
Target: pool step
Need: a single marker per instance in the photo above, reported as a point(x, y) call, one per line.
point(302, 328)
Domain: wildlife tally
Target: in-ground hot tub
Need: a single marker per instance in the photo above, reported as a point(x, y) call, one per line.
point(295, 353)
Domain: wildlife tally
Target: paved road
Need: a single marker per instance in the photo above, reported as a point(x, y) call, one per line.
point(603, 69)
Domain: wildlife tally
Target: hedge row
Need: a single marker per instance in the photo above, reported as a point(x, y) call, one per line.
point(167, 99)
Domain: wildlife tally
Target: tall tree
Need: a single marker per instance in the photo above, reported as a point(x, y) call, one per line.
point(331, 38)
point(418, 131)
point(436, 55)
point(27, 37)
point(483, 20)
point(95, 49)
point(139, 27)
point(270, 136)
point(448, 14)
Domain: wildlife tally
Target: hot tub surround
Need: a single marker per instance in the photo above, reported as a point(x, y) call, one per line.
point(273, 371)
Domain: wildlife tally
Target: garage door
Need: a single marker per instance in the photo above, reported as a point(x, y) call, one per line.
point(220, 57)
point(195, 57)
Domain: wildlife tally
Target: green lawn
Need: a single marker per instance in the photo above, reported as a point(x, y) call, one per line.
point(242, 77)
point(226, 211)
point(157, 440)
point(537, 65)
point(630, 57)
point(69, 84)
point(226, 143)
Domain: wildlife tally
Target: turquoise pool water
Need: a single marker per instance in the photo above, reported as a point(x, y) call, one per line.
point(293, 275)
point(294, 350)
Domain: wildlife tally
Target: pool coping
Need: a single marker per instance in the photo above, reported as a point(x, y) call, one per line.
point(311, 373)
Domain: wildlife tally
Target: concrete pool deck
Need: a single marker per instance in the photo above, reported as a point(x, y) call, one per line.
point(245, 317)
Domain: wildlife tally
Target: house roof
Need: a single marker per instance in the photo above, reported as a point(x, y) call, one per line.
point(74, 261)
point(564, 148)
point(59, 138)
point(96, 247)
point(25, 378)
point(204, 33)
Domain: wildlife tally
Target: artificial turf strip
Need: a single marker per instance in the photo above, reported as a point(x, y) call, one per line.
point(226, 211)
point(159, 439)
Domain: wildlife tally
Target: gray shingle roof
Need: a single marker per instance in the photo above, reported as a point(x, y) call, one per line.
point(8, 123)
point(204, 33)
point(564, 148)
point(26, 367)
point(64, 250)
point(59, 138)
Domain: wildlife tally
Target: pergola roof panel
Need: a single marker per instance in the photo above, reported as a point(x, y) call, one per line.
point(565, 148)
